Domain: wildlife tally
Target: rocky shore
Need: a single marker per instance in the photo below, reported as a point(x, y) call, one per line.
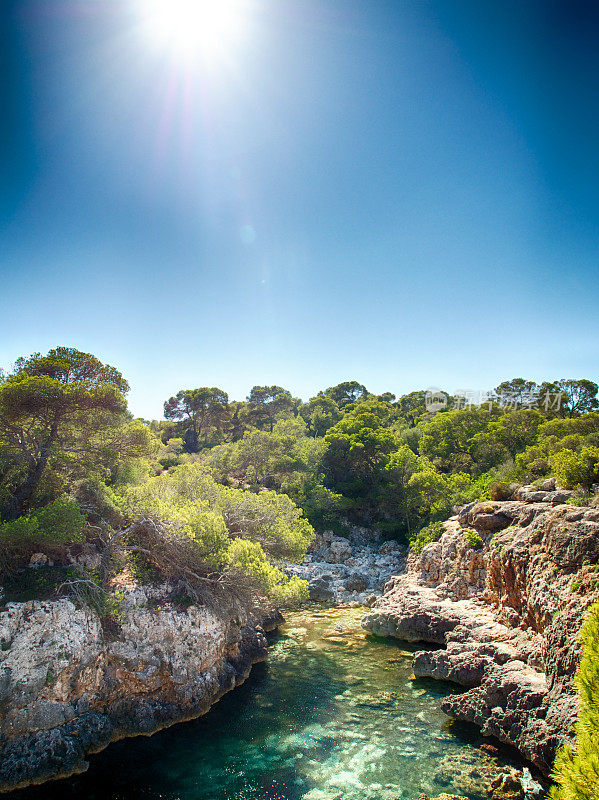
point(69, 688)
point(351, 569)
point(504, 591)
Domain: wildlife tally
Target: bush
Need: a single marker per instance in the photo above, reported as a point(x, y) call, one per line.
point(577, 469)
point(252, 562)
point(585, 500)
point(169, 461)
point(196, 528)
point(473, 539)
point(40, 583)
point(97, 501)
point(58, 524)
point(500, 491)
point(576, 771)
point(426, 535)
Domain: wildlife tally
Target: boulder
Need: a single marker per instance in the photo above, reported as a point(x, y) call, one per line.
point(356, 582)
point(390, 547)
point(320, 590)
point(38, 560)
point(506, 786)
point(339, 550)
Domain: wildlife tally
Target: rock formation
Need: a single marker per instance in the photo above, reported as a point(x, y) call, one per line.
point(348, 570)
point(504, 590)
point(68, 688)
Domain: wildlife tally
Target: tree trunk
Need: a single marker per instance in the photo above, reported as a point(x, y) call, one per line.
point(17, 504)
point(19, 500)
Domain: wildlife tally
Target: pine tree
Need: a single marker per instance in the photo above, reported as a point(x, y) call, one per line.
point(576, 772)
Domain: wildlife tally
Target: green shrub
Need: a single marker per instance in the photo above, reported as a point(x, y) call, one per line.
point(169, 461)
point(498, 490)
point(97, 501)
point(576, 771)
point(473, 539)
point(430, 533)
point(195, 524)
point(579, 501)
point(44, 529)
point(252, 562)
point(577, 468)
point(60, 522)
point(40, 583)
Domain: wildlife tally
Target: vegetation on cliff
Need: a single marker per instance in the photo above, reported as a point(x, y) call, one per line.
point(576, 772)
point(75, 468)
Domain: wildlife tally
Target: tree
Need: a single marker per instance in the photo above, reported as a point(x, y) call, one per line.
point(448, 439)
point(412, 406)
point(578, 396)
point(577, 469)
point(58, 406)
point(347, 392)
point(358, 448)
point(256, 456)
point(518, 392)
point(396, 499)
point(320, 413)
point(238, 420)
point(198, 410)
point(266, 403)
point(576, 771)
point(505, 437)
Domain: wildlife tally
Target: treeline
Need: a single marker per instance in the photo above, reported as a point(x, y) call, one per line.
point(399, 463)
point(204, 417)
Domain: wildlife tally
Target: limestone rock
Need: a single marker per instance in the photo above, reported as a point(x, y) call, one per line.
point(506, 615)
point(38, 560)
point(339, 550)
point(356, 582)
point(320, 590)
point(442, 796)
point(348, 570)
point(67, 689)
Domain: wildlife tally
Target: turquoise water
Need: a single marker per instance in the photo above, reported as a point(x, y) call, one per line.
point(333, 715)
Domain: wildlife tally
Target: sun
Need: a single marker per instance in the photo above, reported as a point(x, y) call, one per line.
point(193, 29)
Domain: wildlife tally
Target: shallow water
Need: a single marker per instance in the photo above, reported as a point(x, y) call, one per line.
point(333, 715)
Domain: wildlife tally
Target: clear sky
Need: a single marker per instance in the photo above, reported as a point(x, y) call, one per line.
point(405, 193)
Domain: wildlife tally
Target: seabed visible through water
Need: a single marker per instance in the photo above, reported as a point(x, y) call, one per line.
point(333, 715)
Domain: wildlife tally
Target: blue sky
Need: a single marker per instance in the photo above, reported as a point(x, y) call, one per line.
point(402, 193)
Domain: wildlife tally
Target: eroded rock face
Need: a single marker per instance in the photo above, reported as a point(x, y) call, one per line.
point(66, 689)
point(508, 613)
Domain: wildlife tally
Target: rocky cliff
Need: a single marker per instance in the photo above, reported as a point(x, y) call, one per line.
point(68, 688)
point(504, 591)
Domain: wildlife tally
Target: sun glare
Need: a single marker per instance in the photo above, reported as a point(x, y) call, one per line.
point(191, 29)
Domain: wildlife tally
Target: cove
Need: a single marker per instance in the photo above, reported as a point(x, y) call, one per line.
point(334, 714)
